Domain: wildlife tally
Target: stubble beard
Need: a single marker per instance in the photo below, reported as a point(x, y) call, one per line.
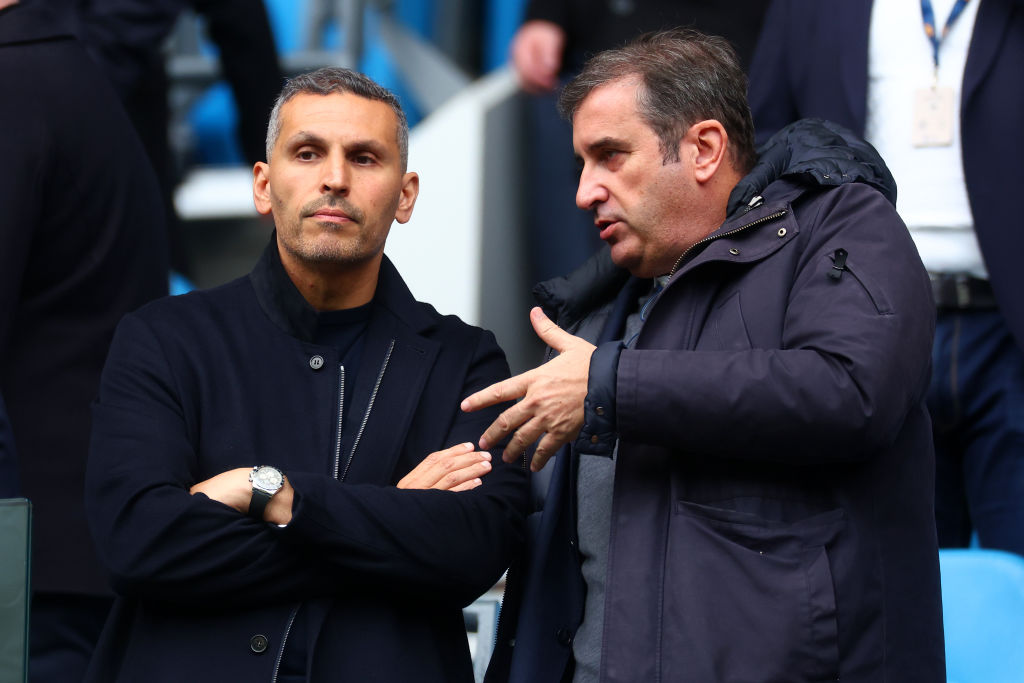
point(327, 246)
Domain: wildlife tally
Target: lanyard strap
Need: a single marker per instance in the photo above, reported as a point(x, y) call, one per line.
point(928, 14)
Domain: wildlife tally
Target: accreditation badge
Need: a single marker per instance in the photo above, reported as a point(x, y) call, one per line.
point(933, 117)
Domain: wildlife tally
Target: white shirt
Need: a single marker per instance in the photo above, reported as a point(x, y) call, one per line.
point(931, 196)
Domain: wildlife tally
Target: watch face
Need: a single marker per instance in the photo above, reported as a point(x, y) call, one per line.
point(268, 479)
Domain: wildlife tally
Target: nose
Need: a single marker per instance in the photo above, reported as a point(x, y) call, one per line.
point(335, 177)
point(590, 191)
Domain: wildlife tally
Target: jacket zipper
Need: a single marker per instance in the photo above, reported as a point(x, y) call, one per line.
point(337, 460)
point(366, 416)
point(284, 641)
point(341, 414)
point(711, 238)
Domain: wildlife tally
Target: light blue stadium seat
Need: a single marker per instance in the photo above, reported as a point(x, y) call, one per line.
point(288, 22)
point(501, 19)
point(983, 613)
point(179, 284)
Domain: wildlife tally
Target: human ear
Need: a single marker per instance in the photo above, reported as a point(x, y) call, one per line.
point(407, 199)
point(261, 187)
point(710, 142)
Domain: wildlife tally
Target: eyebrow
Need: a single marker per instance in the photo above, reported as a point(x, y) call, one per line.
point(304, 137)
point(604, 143)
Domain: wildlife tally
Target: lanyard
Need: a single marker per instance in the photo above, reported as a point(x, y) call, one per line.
point(928, 14)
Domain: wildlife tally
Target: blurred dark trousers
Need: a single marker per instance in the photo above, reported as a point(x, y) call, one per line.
point(62, 635)
point(976, 401)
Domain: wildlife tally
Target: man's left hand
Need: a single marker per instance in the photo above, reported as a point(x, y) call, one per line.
point(552, 394)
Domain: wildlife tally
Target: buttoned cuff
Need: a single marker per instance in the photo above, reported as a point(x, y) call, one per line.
point(598, 435)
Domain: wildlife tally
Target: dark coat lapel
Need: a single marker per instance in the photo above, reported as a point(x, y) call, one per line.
point(990, 28)
point(394, 344)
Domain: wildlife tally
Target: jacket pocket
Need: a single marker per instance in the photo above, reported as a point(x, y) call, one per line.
point(850, 267)
point(749, 599)
point(725, 329)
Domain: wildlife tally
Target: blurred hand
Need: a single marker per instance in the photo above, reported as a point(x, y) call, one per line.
point(552, 394)
point(458, 468)
point(537, 55)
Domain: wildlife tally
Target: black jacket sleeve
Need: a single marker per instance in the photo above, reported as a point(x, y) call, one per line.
point(157, 540)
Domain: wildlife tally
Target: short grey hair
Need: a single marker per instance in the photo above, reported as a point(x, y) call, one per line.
point(685, 77)
point(332, 79)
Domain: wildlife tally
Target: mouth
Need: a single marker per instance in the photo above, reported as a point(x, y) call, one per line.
point(606, 226)
point(330, 215)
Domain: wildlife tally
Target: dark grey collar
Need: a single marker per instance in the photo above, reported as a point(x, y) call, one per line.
point(289, 310)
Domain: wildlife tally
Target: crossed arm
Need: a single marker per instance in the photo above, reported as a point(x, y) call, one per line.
point(161, 543)
point(458, 468)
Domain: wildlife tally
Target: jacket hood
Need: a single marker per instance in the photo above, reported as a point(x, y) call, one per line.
point(814, 153)
point(570, 297)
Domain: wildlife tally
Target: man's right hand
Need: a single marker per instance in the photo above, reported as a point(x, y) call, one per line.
point(537, 55)
point(458, 468)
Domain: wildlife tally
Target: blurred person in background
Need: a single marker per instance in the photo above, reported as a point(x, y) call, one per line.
point(556, 37)
point(128, 37)
point(261, 450)
point(936, 87)
point(81, 243)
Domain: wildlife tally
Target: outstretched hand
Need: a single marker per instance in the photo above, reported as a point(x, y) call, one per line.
point(553, 395)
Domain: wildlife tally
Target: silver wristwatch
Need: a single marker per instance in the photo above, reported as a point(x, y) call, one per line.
point(266, 481)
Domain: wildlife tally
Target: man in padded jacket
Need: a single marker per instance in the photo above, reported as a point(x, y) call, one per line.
point(741, 376)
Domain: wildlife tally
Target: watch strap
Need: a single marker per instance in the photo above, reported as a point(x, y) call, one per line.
point(258, 503)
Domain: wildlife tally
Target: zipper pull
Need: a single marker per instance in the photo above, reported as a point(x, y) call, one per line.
point(838, 264)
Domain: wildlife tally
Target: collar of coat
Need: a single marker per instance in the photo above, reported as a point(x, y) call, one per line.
point(289, 310)
point(806, 155)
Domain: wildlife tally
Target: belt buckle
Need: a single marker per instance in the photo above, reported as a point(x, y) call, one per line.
point(963, 290)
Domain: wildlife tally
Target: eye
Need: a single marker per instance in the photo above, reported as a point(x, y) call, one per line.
point(364, 159)
point(306, 154)
point(612, 159)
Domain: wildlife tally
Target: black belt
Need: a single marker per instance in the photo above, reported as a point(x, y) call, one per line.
point(960, 291)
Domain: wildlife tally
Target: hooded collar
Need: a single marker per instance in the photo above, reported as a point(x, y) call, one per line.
point(282, 302)
point(814, 153)
point(569, 298)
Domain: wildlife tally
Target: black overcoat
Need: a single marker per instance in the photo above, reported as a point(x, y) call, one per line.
point(209, 381)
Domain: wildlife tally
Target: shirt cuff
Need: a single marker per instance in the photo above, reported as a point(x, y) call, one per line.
point(598, 435)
